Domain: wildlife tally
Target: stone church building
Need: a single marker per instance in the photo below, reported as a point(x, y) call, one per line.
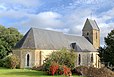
point(38, 44)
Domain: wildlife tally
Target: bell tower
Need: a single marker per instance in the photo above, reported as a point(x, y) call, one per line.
point(91, 32)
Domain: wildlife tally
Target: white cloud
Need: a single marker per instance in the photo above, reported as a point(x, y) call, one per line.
point(107, 15)
point(43, 20)
point(75, 20)
point(26, 3)
point(2, 7)
point(12, 14)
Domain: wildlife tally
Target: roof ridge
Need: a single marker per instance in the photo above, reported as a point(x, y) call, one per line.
point(45, 30)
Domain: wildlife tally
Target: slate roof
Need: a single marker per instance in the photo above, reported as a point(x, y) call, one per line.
point(82, 44)
point(90, 24)
point(52, 40)
point(42, 39)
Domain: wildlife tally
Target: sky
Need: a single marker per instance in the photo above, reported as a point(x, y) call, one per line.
point(67, 16)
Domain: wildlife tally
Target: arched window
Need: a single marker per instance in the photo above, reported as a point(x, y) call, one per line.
point(28, 59)
point(79, 59)
point(92, 58)
point(96, 35)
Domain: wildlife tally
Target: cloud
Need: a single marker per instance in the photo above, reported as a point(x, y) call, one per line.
point(2, 7)
point(12, 14)
point(43, 20)
point(26, 3)
point(76, 19)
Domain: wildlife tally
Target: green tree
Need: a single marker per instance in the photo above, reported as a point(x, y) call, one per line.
point(106, 53)
point(61, 57)
point(8, 39)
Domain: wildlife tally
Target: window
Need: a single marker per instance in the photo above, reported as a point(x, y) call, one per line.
point(40, 57)
point(87, 33)
point(96, 35)
point(79, 59)
point(91, 58)
point(28, 59)
point(73, 45)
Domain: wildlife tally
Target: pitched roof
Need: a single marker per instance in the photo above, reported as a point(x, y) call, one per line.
point(90, 24)
point(52, 40)
point(42, 39)
point(82, 44)
point(27, 41)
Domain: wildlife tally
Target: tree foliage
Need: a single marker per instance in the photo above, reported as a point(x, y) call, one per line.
point(8, 39)
point(106, 53)
point(61, 57)
point(11, 61)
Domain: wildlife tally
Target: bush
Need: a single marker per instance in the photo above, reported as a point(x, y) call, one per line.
point(60, 70)
point(53, 68)
point(62, 57)
point(11, 61)
point(66, 70)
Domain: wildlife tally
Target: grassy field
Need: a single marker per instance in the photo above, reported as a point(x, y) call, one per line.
point(24, 73)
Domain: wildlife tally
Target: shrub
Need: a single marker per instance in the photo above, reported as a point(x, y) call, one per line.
point(60, 70)
point(11, 61)
point(66, 70)
point(53, 68)
point(63, 70)
point(62, 57)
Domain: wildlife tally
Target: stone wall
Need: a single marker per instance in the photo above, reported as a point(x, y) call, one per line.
point(37, 57)
point(86, 59)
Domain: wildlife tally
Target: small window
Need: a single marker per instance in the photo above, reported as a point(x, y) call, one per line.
point(79, 59)
point(96, 35)
point(87, 33)
point(73, 45)
point(92, 58)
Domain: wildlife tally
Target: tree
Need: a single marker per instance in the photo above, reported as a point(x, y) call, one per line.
point(61, 57)
point(8, 39)
point(106, 53)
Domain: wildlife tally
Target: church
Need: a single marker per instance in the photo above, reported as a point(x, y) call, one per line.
point(38, 44)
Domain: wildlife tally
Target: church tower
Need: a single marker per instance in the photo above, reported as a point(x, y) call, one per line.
point(91, 32)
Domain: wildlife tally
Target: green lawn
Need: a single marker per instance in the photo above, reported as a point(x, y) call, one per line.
point(24, 73)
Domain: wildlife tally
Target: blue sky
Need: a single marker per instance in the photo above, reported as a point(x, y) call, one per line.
point(67, 16)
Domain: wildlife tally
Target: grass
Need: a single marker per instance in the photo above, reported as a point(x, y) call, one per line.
point(24, 73)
